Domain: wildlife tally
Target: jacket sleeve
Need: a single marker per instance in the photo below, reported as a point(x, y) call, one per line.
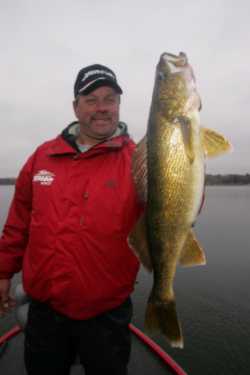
point(15, 234)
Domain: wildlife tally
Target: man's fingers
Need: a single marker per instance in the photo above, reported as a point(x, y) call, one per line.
point(12, 302)
point(2, 310)
point(5, 298)
point(6, 305)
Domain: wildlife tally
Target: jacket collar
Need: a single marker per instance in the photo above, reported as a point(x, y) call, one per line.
point(61, 147)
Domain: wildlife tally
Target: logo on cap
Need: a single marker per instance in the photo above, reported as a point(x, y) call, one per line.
point(96, 71)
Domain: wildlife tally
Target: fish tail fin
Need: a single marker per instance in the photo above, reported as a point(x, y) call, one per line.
point(162, 317)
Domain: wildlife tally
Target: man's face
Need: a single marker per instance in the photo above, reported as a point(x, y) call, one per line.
point(98, 112)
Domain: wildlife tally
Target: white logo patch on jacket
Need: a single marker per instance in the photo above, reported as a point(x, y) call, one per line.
point(44, 177)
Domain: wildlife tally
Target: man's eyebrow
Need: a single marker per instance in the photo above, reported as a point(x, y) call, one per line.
point(91, 96)
point(111, 95)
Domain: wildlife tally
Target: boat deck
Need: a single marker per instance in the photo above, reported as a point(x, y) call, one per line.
point(143, 361)
point(146, 356)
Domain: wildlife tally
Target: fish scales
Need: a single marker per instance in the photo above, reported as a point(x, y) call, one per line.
point(171, 174)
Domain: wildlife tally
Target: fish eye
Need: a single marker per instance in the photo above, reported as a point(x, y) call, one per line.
point(200, 107)
point(161, 76)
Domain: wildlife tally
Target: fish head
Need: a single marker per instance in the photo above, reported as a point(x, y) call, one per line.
point(175, 89)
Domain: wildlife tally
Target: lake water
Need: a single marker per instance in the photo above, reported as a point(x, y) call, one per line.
point(213, 301)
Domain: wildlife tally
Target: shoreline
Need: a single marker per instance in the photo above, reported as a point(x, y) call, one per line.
point(210, 180)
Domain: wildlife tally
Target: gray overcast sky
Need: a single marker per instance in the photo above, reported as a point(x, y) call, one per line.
point(44, 44)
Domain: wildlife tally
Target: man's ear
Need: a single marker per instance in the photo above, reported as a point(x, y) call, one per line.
point(75, 103)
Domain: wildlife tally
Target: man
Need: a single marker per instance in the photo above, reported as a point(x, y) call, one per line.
point(74, 206)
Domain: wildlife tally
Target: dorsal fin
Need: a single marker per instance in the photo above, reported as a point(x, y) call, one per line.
point(139, 169)
point(214, 143)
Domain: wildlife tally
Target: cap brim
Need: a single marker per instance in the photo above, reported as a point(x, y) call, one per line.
point(99, 83)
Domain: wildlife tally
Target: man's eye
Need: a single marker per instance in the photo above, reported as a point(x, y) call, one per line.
point(110, 100)
point(91, 101)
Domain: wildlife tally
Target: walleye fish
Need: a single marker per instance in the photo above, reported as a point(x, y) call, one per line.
point(169, 173)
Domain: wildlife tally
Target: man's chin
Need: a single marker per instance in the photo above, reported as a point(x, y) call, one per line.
point(99, 132)
point(101, 135)
point(104, 135)
point(103, 131)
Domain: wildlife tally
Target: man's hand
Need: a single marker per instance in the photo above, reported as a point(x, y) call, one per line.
point(6, 301)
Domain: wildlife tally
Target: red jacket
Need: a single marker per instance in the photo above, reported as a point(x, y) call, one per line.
point(68, 225)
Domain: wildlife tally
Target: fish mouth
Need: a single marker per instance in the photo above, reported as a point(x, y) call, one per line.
point(175, 86)
point(176, 65)
point(173, 63)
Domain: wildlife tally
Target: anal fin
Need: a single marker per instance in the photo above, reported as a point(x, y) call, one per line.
point(192, 254)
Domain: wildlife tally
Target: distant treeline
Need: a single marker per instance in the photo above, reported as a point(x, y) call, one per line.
point(227, 179)
point(7, 181)
point(211, 179)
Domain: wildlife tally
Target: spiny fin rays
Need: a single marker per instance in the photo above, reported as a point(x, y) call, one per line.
point(192, 254)
point(214, 143)
point(137, 240)
point(139, 169)
point(162, 317)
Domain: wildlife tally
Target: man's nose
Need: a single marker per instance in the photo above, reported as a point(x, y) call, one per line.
point(101, 106)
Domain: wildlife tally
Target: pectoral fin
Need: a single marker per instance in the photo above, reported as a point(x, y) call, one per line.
point(192, 254)
point(214, 144)
point(186, 130)
point(137, 240)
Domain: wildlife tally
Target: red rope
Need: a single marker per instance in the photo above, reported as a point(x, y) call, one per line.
point(157, 350)
point(11, 333)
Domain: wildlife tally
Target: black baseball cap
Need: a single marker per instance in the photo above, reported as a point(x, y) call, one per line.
point(94, 76)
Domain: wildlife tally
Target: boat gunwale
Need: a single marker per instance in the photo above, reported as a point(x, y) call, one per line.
point(155, 348)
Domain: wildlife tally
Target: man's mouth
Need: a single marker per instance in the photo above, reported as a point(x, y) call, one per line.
point(101, 119)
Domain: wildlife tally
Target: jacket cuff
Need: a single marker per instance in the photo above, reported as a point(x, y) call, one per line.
point(5, 275)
